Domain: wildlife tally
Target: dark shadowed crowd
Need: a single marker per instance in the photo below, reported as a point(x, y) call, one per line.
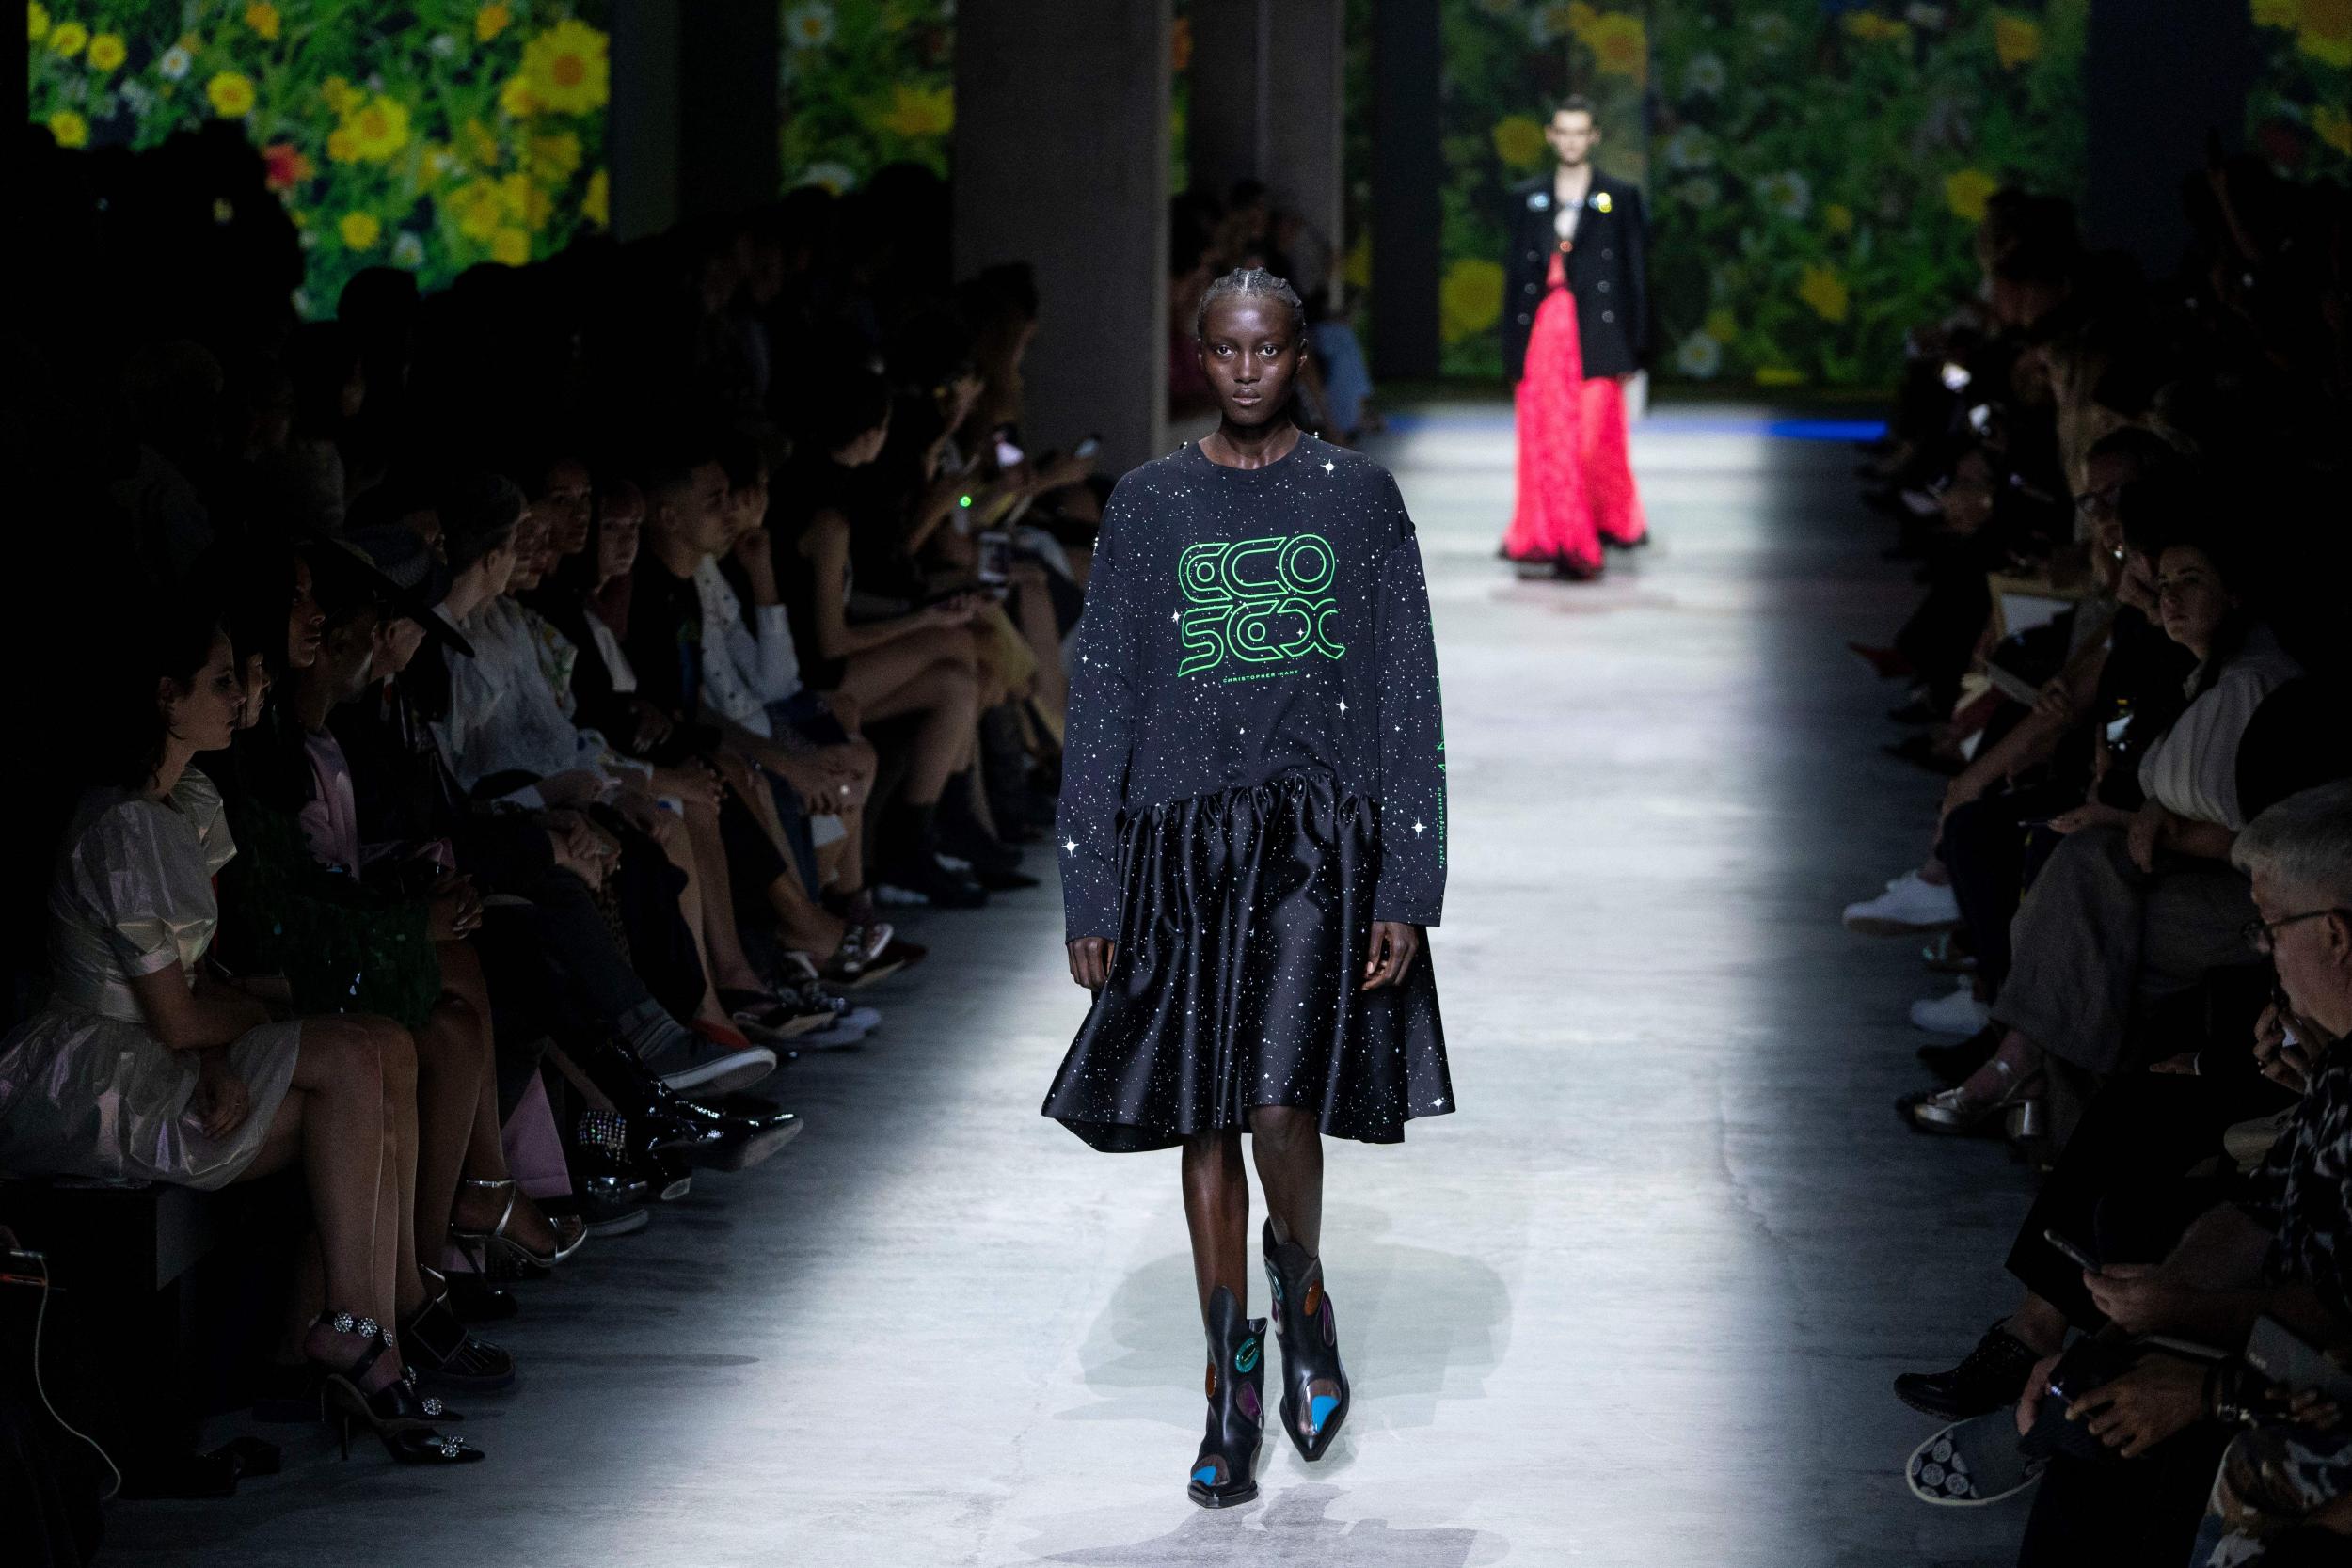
point(2126, 495)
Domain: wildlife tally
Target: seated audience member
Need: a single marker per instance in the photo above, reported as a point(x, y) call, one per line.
point(2137, 905)
point(920, 666)
point(2282, 1251)
point(770, 858)
point(145, 1064)
point(507, 736)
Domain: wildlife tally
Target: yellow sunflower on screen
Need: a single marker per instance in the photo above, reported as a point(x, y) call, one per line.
point(2325, 31)
point(1519, 141)
point(566, 67)
point(916, 113)
point(1620, 46)
point(2017, 40)
point(1966, 191)
point(1469, 300)
point(232, 95)
point(1825, 292)
point(378, 129)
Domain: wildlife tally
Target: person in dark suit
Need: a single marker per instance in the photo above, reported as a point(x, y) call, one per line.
point(1575, 329)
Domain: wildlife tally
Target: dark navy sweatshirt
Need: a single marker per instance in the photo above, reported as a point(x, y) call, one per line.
point(1241, 623)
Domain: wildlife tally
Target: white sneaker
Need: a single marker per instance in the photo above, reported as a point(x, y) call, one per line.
point(1907, 905)
point(1960, 1013)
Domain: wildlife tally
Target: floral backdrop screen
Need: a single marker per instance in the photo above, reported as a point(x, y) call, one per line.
point(431, 135)
point(1813, 168)
point(1506, 63)
point(2299, 113)
point(861, 84)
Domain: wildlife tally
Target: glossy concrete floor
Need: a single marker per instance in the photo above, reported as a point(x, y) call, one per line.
point(1637, 1303)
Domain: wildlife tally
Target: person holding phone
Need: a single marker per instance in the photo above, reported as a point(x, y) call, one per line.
point(1575, 328)
point(1253, 837)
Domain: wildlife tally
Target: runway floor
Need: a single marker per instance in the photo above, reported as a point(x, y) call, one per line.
point(1637, 1303)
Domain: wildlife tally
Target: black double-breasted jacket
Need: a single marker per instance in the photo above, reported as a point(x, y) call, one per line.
point(1605, 269)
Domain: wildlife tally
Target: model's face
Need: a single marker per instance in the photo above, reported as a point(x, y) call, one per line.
point(1572, 135)
point(1250, 350)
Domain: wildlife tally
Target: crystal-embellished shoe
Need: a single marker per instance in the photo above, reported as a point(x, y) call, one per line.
point(400, 1416)
point(1225, 1472)
point(1307, 1332)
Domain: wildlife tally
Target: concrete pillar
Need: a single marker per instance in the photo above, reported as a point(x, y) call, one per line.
point(1268, 103)
point(2157, 73)
point(642, 140)
point(1305, 150)
point(727, 107)
point(1407, 177)
point(1061, 161)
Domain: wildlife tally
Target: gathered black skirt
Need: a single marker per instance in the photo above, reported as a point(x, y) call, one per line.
point(1236, 977)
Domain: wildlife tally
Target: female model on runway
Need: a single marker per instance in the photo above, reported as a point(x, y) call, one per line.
point(1253, 795)
point(1575, 323)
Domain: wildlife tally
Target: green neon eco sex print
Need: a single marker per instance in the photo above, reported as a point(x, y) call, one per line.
point(1257, 602)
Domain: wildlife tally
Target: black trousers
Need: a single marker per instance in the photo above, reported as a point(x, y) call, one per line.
point(2135, 1510)
point(1991, 852)
point(2120, 1187)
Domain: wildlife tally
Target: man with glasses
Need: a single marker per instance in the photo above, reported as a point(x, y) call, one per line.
point(2281, 1250)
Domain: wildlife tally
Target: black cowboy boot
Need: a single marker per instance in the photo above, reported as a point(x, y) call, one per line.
point(1225, 1472)
point(1309, 1335)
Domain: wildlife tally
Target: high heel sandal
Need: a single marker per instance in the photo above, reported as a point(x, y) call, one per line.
point(1952, 1114)
point(1225, 1471)
point(1306, 1328)
point(439, 1340)
point(485, 1246)
point(401, 1418)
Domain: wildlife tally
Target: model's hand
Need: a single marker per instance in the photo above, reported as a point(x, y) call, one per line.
point(1391, 952)
point(1090, 962)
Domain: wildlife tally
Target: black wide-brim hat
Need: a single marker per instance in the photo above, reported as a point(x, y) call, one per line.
point(386, 564)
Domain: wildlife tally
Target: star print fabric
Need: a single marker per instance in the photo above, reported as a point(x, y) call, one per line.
point(1241, 623)
point(1254, 774)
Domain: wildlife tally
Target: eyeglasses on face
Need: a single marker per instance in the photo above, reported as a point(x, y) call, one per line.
point(2257, 930)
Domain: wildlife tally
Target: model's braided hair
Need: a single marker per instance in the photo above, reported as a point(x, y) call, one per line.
point(1250, 283)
